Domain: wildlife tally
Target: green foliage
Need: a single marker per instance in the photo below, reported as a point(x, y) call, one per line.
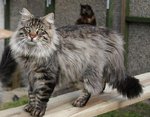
point(21, 101)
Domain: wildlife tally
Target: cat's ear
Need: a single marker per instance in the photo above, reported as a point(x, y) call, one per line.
point(49, 18)
point(26, 15)
point(81, 5)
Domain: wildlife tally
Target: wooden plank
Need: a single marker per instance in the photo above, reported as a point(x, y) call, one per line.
point(5, 33)
point(60, 106)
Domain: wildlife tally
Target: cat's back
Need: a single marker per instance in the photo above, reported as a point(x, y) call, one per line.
point(89, 38)
point(82, 31)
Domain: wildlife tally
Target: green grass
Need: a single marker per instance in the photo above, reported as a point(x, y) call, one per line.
point(23, 100)
point(137, 110)
point(119, 113)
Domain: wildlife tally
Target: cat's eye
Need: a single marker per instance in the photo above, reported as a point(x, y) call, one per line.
point(40, 31)
point(27, 29)
point(45, 38)
point(21, 33)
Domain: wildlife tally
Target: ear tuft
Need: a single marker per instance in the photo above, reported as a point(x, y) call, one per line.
point(26, 15)
point(49, 18)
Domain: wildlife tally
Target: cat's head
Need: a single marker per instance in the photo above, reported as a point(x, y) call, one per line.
point(35, 36)
point(86, 10)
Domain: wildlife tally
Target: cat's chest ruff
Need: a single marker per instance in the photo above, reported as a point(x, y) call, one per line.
point(27, 62)
point(87, 19)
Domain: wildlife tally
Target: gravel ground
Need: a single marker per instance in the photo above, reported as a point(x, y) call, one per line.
point(9, 96)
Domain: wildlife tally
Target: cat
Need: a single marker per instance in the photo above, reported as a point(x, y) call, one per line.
point(51, 57)
point(10, 75)
point(8, 67)
point(86, 15)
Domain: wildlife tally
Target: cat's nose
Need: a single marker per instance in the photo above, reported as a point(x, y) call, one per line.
point(32, 35)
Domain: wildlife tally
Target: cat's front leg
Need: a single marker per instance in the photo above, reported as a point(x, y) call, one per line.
point(31, 103)
point(43, 90)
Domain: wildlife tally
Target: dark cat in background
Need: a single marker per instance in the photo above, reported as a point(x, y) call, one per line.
point(87, 15)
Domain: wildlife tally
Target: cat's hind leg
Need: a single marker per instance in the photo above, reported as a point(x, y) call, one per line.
point(94, 84)
point(82, 99)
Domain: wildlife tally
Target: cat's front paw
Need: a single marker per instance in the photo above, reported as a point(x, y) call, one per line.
point(38, 112)
point(29, 108)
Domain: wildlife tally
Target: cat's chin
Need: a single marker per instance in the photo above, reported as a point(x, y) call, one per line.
point(30, 43)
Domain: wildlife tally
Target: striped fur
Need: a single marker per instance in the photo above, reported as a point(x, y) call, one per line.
point(50, 57)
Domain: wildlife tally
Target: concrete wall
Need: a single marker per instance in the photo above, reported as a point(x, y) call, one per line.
point(117, 15)
point(68, 11)
point(140, 8)
point(139, 39)
point(139, 45)
point(37, 7)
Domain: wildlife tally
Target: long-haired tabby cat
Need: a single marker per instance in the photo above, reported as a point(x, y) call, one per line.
point(51, 57)
point(87, 15)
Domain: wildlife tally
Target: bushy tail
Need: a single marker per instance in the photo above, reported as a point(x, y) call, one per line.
point(7, 67)
point(115, 71)
point(129, 87)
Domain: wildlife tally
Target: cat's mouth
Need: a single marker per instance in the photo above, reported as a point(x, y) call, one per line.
point(31, 43)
